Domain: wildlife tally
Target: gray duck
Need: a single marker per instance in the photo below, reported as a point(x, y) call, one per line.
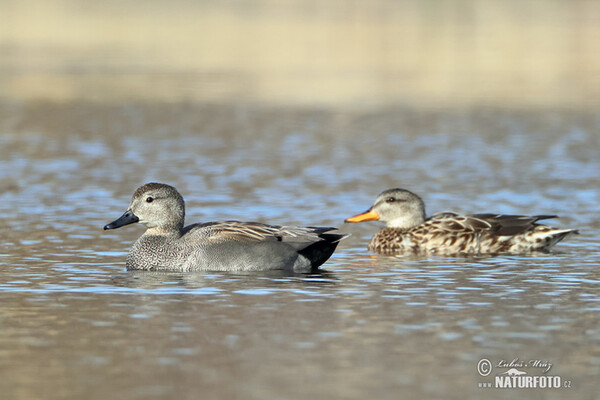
point(217, 246)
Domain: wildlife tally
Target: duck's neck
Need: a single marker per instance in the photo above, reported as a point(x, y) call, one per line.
point(406, 221)
point(164, 231)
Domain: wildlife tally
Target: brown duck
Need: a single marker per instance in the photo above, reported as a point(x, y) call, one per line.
point(409, 231)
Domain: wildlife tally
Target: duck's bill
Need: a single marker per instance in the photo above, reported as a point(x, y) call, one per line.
point(128, 218)
point(368, 215)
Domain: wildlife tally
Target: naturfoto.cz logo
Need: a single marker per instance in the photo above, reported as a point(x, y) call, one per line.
point(513, 374)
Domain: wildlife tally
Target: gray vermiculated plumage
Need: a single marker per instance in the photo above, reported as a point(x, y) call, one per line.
point(217, 246)
point(409, 231)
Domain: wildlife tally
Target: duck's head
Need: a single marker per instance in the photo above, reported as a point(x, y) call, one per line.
point(158, 206)
point(397, 208)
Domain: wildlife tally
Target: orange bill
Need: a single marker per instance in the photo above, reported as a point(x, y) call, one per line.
point(368, 215)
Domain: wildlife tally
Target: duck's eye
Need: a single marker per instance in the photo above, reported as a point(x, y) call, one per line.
point(149, 199)
point(390, 199)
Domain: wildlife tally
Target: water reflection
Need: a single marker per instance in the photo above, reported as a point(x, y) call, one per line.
point(366, 326)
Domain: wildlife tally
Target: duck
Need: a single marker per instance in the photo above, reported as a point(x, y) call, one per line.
point(168, 245)
point(409, 231)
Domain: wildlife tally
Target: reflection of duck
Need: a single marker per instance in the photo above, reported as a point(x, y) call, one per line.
point(217, 246)
point(409, 231)
point(514, 372)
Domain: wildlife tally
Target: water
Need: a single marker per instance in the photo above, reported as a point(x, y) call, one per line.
point(295, 113)
point(75, 324)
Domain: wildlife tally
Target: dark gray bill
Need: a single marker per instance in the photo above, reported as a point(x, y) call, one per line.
point(125, 219)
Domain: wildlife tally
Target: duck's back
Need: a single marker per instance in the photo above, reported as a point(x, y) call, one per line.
point(450, 233)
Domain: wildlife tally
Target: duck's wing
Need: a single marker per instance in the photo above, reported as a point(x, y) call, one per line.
point(296, 236)
point(497, 224)
point(509, 225)
point(454, 223)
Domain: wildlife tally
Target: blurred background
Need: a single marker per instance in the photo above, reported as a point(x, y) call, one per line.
point(337, 53)
point(294, 112)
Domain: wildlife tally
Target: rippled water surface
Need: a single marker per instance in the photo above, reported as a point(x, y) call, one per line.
point(75, 324)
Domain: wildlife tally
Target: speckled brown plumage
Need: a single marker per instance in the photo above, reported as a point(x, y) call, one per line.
point(448, 233)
